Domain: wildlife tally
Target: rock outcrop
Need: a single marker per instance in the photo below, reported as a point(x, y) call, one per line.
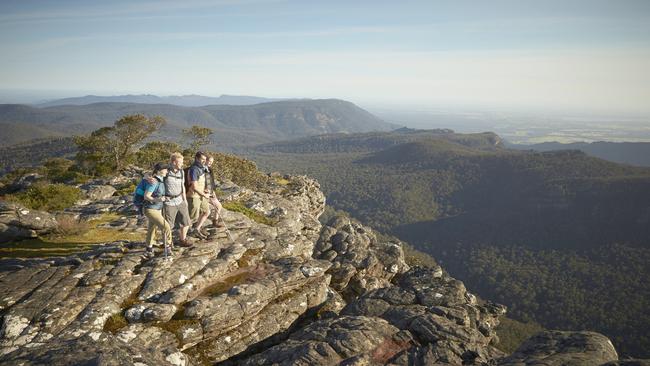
point(284, 290)
point(563, 348)
point(18, 222)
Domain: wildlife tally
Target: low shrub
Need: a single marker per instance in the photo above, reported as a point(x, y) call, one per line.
point(48, 197)
point(69, 225)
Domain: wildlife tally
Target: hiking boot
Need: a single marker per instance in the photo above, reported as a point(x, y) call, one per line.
point(197, 234)
point(184, 243)
point(149, 253)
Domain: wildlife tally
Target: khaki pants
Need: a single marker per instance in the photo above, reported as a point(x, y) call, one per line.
point(156, 221)
point(197, 206)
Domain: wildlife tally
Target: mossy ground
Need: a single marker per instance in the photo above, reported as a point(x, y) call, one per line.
point(238, 206)
point(64, 245)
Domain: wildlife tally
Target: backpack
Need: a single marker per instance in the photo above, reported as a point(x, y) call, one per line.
point(186, 175)
point(138, 195)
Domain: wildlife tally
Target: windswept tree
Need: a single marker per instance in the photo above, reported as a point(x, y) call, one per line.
point(112, 148)
point(197, 136)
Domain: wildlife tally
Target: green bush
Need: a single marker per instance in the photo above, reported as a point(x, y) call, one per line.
point(241, 171)
point(60, 170)
point(154, 152)
point(49, 197)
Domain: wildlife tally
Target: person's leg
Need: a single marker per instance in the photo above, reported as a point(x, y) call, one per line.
point(151, 228)
point(195, 215)
point(159, 222)
point(184, 220)
point(170, 212)
point(194, 207)
point(204, 209)
point(217, 213)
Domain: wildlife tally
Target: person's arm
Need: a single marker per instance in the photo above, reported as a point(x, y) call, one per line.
point(148, 194)
point(195, 187)
point(183, 185)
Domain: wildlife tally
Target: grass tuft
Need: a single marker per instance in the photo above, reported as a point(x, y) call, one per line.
point(238, 206)
point(115, 323)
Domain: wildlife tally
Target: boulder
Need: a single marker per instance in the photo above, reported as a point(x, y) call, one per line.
point(98, 192)
point(18, 222)
point(556, 348)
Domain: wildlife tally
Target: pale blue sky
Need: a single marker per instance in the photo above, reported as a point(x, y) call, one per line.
point(580, 55)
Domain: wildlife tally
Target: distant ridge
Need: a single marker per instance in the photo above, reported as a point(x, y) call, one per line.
point(633, 153)
point(191, 100)
point(234, 126)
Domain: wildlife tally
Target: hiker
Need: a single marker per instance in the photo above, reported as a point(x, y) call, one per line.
point(210, 187)
point(176, 204)
point(214, 201)
point(154, 198)
point(198, 200)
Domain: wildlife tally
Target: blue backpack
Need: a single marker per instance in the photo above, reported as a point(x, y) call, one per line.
point(138, 195)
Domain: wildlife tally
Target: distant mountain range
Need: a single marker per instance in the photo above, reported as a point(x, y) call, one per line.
point(180, 100)
point(633, 153)
point(234, 126)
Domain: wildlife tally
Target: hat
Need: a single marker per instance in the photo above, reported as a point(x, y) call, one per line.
point(160, 166)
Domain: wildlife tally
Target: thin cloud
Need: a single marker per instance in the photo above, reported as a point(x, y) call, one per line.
point(140, 8)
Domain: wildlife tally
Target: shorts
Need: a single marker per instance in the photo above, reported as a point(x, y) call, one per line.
point(172, 214)
point(197, 206)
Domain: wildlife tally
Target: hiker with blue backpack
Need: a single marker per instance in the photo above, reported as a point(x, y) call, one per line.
point(149, 198)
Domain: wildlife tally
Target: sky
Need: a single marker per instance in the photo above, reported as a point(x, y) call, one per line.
point(579, 55)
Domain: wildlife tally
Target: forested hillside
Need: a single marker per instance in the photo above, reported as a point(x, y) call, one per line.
point(548, 234)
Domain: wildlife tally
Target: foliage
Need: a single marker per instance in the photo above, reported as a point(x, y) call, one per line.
point(109, 149)
point(513, 333)
point(115, 322)
point(241, 171)
point(155, 151)
point(603, 289)
point(34, 153)
point(197, 136)
point(61, 170)
point(48, 197)
point(239, 206)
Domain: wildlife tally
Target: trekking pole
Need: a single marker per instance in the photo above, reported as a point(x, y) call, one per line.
point(226, 227)
point(164, 232)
